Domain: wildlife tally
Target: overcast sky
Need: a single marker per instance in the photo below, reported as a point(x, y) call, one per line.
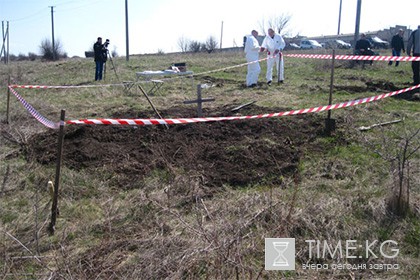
point(158, 24)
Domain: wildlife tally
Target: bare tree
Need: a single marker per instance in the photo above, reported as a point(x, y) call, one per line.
point(183, 43)
point(278, 23)
point(211, 44)
point(399, 149)
point(49, 53)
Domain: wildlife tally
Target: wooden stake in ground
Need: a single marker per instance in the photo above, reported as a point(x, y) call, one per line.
point(279, 69)
point(151, 104)
point(330, 123)
point(54, 207)
point(8, 101)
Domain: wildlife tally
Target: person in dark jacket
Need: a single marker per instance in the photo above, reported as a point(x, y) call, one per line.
point(363, 47)
point(397, 45)
point(413, 48)
point(98, 49)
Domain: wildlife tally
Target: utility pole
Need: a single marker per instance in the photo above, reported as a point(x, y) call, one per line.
point(5, 40)
point(221, 36)
point(127, 53)
point(7, 32)
point(356, 32)
point(52, 25)
point(339, 17)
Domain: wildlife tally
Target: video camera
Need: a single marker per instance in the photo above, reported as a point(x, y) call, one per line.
point(106, 43)
point(105, 50)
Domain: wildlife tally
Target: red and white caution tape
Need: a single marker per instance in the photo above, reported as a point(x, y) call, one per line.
point(231, 118)
point(356, 57)
point(34, 112)
point(138, 82)
point(54, 125)
point(48, 87)
point(62, 87)
point(314, 56)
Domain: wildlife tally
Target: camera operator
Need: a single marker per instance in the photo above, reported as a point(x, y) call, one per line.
point(100, 57)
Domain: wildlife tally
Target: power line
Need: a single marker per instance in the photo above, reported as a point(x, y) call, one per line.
point(78, 7)
point(27, 17)
point(37, 14)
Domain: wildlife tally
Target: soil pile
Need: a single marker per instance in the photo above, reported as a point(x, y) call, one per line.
point(237, 153)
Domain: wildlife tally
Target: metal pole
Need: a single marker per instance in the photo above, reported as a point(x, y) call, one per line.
point(54, 207)
point(127, 53)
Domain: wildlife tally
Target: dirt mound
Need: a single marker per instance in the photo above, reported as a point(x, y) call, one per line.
point(381, 86)
point(236, 152)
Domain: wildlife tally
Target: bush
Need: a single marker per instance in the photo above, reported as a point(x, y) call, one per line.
point(22, 57)
point(47, 51)
point(195, 46)
point(211, 44)
point(12, 57)
point(32, 56)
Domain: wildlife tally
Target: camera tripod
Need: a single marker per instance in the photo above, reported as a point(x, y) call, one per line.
point(113, 66)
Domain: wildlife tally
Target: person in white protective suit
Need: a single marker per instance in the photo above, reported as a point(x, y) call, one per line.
point(252, 49)
point(274, 44)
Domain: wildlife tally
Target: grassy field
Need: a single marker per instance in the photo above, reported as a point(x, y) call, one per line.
point(156, 208)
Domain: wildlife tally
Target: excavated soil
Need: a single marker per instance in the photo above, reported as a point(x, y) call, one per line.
point(237, 153)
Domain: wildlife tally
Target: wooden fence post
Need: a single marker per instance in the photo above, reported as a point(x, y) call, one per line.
point(330, 123)
point(279, 69)
point(8, 101)
point(54, 207)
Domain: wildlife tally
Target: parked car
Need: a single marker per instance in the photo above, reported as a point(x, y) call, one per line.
point(378, 43)
point(292, 46)
point(337, 44)
point(310, 44)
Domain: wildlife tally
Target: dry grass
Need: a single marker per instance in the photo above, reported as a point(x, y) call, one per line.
point(169, 227)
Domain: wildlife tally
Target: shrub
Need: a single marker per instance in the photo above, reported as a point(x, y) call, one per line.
point(32, 56)
point(211, 44)
point(195, 46)
point(22, 57)
point(47, 51)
